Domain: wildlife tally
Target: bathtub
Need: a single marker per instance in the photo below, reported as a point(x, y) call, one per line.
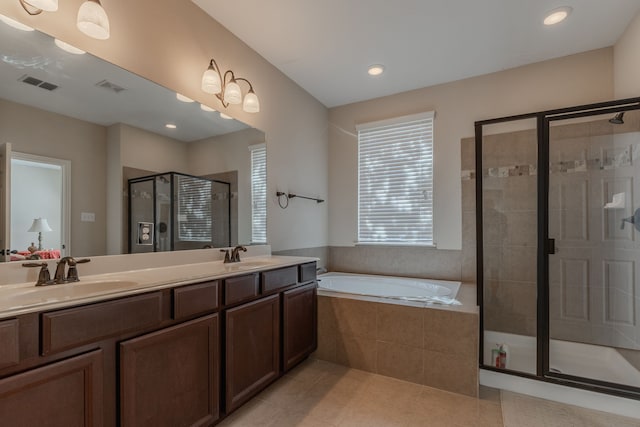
point(396, 288)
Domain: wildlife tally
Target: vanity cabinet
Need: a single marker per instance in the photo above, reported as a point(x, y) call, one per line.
point(182, 355)
point(64, 393)
point(252, 348)
point(171, 377)
point(299, 324)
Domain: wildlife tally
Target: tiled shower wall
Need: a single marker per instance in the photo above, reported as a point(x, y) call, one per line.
point(510, 203)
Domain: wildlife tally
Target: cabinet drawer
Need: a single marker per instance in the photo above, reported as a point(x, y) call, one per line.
point(9, 343)
point(281, 278)
point(307, 272)
point(195, 299)
point(242, 288)
point(65, 329)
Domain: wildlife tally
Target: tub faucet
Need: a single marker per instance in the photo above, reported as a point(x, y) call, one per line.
point(235, 253)
point(72, 273)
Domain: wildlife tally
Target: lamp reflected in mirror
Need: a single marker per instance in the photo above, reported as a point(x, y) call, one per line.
point(39, 226)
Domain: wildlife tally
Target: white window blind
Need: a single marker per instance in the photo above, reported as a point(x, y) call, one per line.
point(194, 209)
point(258, 193)
point(395, 181)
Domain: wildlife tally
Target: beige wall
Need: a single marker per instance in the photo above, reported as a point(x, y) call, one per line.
point(170, 42)
point(572, 80)
point(34, 131)
point(626, 54)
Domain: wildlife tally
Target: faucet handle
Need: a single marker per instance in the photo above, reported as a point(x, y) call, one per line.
point(227, 258)
point(72, 274)
point(44, 278)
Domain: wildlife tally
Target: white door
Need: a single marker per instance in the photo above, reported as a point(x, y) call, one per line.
point(5, 197)
point(594, 285)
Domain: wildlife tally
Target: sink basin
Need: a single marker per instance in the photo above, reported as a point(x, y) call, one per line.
point(36, 295)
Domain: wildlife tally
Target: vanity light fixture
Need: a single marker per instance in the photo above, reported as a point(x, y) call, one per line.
point(557, 15)
point(93, 20)
point(206, 108)
point(375, 70)
point(226, 88)
point(15, 24)
point(183, 98)
point(68, 48)
point(36, 7)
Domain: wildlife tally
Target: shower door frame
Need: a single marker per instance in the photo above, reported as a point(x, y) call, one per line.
point(544, 244)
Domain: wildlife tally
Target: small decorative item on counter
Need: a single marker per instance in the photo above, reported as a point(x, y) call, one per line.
point(32, 248)
point(499, 356)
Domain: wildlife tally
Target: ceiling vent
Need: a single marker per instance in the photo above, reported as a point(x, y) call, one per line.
point(37, 82)
point(106, 84)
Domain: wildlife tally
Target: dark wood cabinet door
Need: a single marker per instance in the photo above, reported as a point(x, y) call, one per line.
point(171, 377)
point(252, 349)
point(64, 394)
point(300, 319)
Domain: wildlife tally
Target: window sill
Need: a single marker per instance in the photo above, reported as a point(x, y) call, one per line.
point(397, 244)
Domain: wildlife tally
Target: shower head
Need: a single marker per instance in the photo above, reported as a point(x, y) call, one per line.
point(617, 119)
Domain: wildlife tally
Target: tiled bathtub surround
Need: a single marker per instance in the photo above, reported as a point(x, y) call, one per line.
point(430, 346)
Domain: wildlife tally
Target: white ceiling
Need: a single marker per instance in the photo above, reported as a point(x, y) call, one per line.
point(326, 45)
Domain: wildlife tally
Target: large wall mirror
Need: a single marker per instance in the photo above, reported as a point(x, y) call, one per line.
point(75, 129)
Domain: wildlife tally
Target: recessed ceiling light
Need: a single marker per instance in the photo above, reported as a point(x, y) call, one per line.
point(206, 108)
point(15, 24)
point(376, 70)
point(183, 98)
point(68, 48)
point(557, 15)
point(224, 116)
point(170, 126)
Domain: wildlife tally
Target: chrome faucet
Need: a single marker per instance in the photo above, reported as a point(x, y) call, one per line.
point(235, 253)
point(72, 273)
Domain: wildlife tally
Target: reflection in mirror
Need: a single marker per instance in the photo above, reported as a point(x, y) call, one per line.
point(111, 126)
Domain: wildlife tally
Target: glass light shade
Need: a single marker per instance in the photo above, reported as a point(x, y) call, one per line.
point(251, 103)
point(225, 116)
point(206, 108)
point(232, 93)
point(15, 24)
point(181, 97)
point(39, 225)
point(46, 5)
point(211, 82)
point(557, 15)
point(68, 48)
point(93, 20)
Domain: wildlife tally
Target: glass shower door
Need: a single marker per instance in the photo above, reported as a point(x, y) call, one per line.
point(594, 224)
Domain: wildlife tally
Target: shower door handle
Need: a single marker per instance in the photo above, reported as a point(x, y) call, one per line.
point(551, 244)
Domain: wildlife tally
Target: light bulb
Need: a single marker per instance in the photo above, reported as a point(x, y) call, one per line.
point(211, 81)
point(251, 103)
point(93, 20)
point(232, 93)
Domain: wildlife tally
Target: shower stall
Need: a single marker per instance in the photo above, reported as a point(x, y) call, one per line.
point(558, 245)
point(173, 211)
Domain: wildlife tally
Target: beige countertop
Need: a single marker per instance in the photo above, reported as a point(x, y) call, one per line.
point(22, 298)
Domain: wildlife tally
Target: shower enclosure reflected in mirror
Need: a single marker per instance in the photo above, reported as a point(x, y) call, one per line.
point(110, 125)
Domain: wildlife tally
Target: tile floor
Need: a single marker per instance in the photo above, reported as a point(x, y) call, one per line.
point(322, 394)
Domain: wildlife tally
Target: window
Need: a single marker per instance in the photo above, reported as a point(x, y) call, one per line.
point(395, 181)
point(194, 209)
point(258, 193)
